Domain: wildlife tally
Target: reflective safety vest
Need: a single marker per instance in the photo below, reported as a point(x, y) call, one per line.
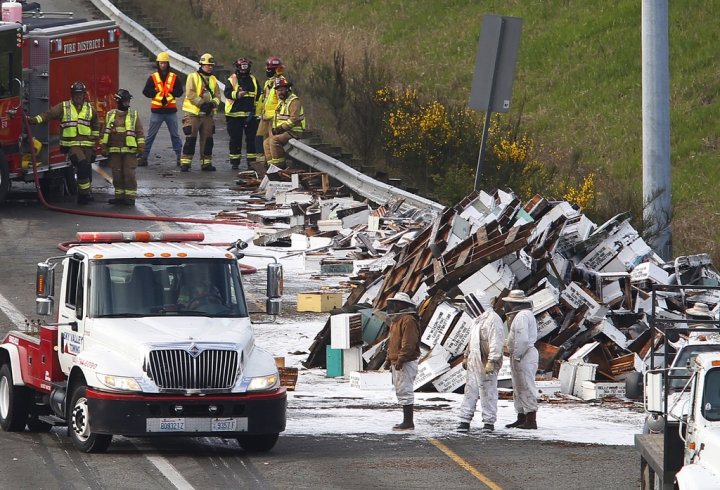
point(230, 102)
point(282, 114)
point(163, 90)
point(74, 123)
point(270, 100)
point(128, 128)
point(188, 106)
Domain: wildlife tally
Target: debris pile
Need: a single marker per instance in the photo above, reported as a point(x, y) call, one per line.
point(589, 286)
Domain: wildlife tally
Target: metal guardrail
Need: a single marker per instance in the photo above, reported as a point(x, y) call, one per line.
point(362, 184)
point(131, 28)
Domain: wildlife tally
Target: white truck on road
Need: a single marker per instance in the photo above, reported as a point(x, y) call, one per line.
point(152, 338)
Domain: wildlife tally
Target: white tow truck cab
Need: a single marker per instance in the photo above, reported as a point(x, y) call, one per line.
point(152, 338)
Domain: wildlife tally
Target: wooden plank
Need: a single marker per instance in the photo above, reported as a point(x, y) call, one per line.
point(547, 355)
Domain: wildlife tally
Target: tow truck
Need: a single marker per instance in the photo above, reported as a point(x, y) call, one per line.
point(682, 445)
point(152, 337)
point(39, 60)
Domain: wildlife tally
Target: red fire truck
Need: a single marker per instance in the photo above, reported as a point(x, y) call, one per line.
point(39, 60)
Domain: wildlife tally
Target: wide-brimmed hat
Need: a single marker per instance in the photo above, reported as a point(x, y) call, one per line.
point(700, 309)
point(517, 296)
point(404, 297)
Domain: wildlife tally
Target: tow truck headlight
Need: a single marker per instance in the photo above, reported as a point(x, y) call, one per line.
point(119, 382)
point(264, 383)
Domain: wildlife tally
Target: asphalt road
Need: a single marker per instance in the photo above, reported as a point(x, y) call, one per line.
point(29, 233)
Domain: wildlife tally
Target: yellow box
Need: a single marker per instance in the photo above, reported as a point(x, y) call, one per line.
point(318, 301)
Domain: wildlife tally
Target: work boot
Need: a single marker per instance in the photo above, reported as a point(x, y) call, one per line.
point(530, 421)
point(520, 420)
point(178, 161)
point(83, 199)
point(208, 168)
point(184, 168)
point(463, 427)
point(235, 163)
point(90, 198)
point(129, 202)
point(407, 423)
point(487, 428)
point(116, 200)
point(142, 162)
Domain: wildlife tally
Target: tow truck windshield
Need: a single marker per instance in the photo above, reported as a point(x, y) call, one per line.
point(711, 397)
point(159, 287)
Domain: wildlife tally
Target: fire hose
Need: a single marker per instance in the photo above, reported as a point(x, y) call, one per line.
point(245, 269)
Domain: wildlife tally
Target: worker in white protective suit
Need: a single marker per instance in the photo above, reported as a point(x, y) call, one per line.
point(483, 360)
point(523, 357)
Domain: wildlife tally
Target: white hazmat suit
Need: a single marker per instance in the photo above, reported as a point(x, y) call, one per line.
point(484, 360)
point(523, 361)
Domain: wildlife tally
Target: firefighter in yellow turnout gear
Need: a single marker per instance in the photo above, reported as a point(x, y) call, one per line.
point(79, 130)
point(267, 104)
point(202, 98)
point(288, 123)
point(122, 142)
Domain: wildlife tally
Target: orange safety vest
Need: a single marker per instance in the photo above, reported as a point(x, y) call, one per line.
point(163, 90)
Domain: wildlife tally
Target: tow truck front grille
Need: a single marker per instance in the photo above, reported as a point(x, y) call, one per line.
point(178, 370)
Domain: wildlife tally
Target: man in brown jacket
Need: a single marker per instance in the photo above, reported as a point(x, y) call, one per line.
point(403, 353)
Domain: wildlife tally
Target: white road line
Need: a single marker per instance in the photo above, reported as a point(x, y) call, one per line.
point(12, 313)
point(169, 471)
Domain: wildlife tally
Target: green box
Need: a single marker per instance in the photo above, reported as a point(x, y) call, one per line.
point(333, 362)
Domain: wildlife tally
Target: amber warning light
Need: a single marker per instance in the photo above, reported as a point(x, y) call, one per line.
point(138, 236)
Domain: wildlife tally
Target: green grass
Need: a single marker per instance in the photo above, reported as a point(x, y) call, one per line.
point(578, 75)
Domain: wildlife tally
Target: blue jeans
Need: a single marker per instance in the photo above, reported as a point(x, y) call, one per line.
point(156, 121)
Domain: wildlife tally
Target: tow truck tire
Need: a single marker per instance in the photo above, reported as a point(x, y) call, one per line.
point(258, 443)
point(79, 426)
point(34, 424)
point(633, 386)
point(13, 403)
point(4, 177)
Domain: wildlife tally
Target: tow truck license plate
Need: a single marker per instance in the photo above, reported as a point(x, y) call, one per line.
point(225, 425)
point(172, 425)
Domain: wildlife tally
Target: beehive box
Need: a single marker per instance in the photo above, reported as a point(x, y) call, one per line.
point(371, 380)
point(318, 301)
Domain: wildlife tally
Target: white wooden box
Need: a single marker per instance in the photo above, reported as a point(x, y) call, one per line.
point(371, 380)
point(592, 390)
point(340, 331)
point(352, 360)
point(451, 380)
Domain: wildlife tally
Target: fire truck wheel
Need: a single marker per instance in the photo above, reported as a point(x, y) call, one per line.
point(4, 177)
point(80, 433)
point(258, 443)
point(13, 403)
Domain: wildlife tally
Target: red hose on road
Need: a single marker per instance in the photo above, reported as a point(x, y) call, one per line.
point(112, 215)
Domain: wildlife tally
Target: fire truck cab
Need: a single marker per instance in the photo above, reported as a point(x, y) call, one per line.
point(39, 60)
point(152, 338)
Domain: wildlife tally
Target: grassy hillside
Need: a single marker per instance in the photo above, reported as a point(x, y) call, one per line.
point(578, 81)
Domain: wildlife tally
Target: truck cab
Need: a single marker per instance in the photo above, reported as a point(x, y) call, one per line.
point(152, 338)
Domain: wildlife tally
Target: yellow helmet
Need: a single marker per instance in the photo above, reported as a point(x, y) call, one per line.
point(163, 57)
point(207, 59)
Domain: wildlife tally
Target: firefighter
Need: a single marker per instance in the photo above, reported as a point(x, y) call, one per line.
point(164, 90)
point(288, 122)
point(79, 132)
point(483, 359)
point(267, 104)
point(202, 98)
point(402, 353)
point(241, 96)
point(523, 355)
point(122, 142)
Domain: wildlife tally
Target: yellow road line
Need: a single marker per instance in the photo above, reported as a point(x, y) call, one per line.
point(461, 462)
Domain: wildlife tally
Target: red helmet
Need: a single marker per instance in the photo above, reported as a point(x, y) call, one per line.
point(273, 63)
point(282, 82)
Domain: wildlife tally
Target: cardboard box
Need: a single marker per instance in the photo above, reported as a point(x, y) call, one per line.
point(593, 390)
point(371, 380)
point(319, 301)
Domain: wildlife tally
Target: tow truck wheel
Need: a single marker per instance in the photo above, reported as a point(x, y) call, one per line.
point(4, 177)
point(258, 443)
point(13, 403)
point(79, 425)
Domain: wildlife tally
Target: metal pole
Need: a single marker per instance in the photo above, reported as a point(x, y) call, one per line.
point(657, 195)
point(488, 112)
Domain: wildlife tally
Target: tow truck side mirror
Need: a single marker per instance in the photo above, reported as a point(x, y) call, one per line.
point(654, 397)
point(273, 305)
point(44, 288)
